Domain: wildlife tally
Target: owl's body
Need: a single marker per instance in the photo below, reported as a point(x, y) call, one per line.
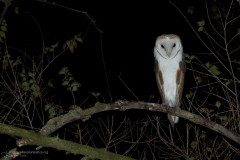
point(170, 71)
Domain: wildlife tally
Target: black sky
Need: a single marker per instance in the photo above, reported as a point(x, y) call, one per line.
point(129, 33)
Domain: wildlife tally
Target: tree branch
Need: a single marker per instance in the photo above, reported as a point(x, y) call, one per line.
point(77, 113)
point(57, 122)
point(32, 138)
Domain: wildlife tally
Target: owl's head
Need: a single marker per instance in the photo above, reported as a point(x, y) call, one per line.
point(168, 45)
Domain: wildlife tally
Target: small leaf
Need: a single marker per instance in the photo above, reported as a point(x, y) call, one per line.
point(22, 74)
point(68, 42)
point(64, 46)
point(64, 70)
point(98, 94)
point(186, 55)
point(214, 9)
point(4, 66)
point(229, 82)
point(23, 70)
point(223, 118)
point(25, 88)
point(4, 21)
point(238, 30)
point(201, 23)
point(189, 95)
point(35, 88)
point(208, 64)
point(74, 44)
point(71, 48)
point(193, 144)
point(214, 70)
point(17, 62)
point(2, 34)
point(51, 110)
point(54, 45)
point(218, 104)
point(187, 61)
point(47, 106)
point(192, 57)
point(190, 9)
point(37, 94)
point(17, 96)
point(51, 115)
point(70, 78)
point(93, 94)
point(198, 80)
point(210, 110)
point(24, 84)
point(30, 74)
point(65, 83)
point(204, 110)
point(209, 149)
point(50, 84)
point(75, 88)
point(80, 40)
point(31, 81)
point(200, 29)
point(4, 28)
point(203, 134)
point(75, 84)
point(16, 10)
point(7, 56)
point(51, 50)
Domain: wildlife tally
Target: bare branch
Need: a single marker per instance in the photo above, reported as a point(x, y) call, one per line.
point(57, 122)
point(31, 138)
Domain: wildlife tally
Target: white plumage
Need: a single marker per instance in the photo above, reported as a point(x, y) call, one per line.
point(170, 70)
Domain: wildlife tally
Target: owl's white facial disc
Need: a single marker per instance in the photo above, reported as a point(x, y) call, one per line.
point(168, 47)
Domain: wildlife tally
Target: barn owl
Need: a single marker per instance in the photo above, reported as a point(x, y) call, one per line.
point(170, 70)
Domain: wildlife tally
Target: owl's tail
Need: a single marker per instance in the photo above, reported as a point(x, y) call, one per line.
point(173, 119)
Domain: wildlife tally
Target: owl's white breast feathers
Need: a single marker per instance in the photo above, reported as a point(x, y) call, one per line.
point(169, 69)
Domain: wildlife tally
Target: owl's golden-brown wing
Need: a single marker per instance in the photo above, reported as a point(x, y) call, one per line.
point(180, 82)
point(159, 79)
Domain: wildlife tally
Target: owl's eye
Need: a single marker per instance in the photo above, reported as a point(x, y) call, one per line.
point(162, 46)
point(174, 45)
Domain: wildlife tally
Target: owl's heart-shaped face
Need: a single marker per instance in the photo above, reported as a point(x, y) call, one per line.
point(168, 46)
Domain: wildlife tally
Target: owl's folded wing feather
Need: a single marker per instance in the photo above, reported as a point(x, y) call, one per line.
point(159, 79)
point(180, 82)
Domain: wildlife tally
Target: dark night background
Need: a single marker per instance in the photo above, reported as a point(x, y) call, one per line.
point(129, 33)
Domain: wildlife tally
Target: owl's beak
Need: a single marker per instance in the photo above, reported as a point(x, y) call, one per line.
point(169, 54)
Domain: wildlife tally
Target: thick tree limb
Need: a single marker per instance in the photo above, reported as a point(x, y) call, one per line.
point(32, 138)
point(57, 122)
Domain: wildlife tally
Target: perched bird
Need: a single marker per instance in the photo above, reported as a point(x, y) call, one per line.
point(170, 70)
